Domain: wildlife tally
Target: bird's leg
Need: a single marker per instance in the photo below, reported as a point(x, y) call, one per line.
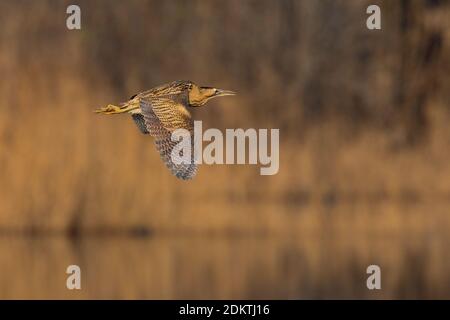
point(109, 109)
point(112, 109)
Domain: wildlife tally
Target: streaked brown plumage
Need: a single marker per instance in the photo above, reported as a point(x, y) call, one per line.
point(162, 110)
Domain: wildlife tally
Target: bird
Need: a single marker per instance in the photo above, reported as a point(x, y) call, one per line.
point(160, 111)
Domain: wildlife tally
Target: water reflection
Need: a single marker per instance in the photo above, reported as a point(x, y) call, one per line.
point(194, 267)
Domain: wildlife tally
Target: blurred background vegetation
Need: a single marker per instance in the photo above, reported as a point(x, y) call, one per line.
point(363, 118)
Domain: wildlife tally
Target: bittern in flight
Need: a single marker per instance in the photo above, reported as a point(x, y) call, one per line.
point(162, 110)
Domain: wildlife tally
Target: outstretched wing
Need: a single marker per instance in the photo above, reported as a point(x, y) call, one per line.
point(138, 118)
point(162, 116)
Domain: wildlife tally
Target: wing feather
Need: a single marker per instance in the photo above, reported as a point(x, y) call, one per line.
point(140, 122)
point(173, 115)
point(162, 117)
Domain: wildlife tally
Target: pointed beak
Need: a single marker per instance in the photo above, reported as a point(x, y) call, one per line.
point(222, 93)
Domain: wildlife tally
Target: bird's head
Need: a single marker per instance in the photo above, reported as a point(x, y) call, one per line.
point(198, 96)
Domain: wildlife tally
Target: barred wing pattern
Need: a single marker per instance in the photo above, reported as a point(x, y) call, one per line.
point(140, 122)
point(162, 116)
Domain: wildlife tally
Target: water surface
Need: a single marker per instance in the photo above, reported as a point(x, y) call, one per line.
point(225, 267)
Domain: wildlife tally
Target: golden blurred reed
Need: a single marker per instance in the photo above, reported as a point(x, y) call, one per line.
point(363, 115)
